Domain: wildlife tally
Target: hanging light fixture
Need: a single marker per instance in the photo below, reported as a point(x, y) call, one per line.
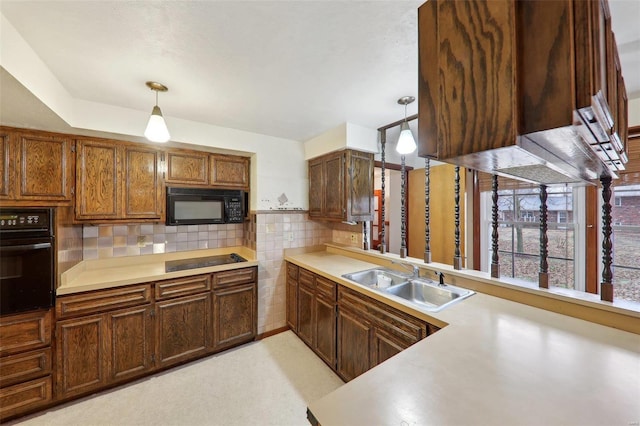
point(156, 130)
point(406, 143)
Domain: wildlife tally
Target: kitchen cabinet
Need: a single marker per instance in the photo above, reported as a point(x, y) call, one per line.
point(306, 293)
point(114, 330)
point(117, 182)
point(341, 186)
point(324, 321)
point(354, 343)
point(25, 362)
point(507, 87)
point(229, 171)
point(36, 168)
point(292, 296)
point(187, 167)
point(235, 307)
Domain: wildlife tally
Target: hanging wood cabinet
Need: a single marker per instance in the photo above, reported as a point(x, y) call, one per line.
point(508, 87)
point(341, 186)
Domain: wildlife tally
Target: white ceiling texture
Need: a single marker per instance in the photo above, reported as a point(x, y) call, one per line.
point(291, 69)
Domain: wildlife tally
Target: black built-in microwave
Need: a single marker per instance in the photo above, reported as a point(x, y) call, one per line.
point(197, 206)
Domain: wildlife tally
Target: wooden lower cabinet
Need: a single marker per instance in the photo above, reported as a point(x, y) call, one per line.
point(292, 296)
point(182, 328)
point(354, 343)
point(25, 397)
point(234, 315)
point(131, 335)
point(305, 314)
point(324, 331)
point(384, 345)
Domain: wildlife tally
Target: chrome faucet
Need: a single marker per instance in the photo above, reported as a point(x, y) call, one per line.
point(441, 276)
point(414, 269)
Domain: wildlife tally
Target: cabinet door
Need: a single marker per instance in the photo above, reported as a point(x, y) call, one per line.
point(360, 184)
point(316, 187)
point(6, 171)
point(292, 304)
point(234, 315)
point(385, 345)
point(24, 397)
point(229, 171)
point(187, 167)
point(45, 168)
point(97, 165)
point(334, 184)
point(23, 332)
point(354, 345)
point(305, 314)
point(182, 328)
point(142, 188)
point(25, 366)
point(81, 355)
point(324, 323)
point(131, 334)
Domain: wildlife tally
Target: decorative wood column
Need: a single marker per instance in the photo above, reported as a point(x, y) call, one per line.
point(606, 286)
point(427, 194)
point(543, 274)
point(495, 265)
point(383, 240)
point(403, 209)
point(457, 260)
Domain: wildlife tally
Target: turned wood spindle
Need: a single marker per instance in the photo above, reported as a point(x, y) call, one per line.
point(383, 143)
point(457, 260)
point(427, 194)
point(495, 264)
point(543, 274)
point(403, 208)
point(606, 286)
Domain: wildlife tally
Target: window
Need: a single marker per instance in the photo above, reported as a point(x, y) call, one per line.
point(519, 234)
point(626, 243)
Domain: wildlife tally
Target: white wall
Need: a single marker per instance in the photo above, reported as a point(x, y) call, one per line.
point(346, 135)
point(634, 112)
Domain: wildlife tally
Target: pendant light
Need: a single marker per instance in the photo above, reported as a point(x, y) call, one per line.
point(156, 130)
point(406, 143)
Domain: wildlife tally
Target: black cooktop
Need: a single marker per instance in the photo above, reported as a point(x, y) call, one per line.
point(202, 262)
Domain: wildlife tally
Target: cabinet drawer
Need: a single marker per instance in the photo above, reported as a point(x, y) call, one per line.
point(23, 397)
point(182, 286)
point(233, 277)
point(383, 316)
point(326, 288)
point(102, 300)
point(292, 271)
point(306, 279)
point(26, 366)
point(22, 332)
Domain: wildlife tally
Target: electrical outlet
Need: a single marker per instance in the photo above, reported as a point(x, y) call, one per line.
point(354, 238)
point(288, 236)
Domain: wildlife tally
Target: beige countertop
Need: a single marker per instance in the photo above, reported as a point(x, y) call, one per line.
point(497, 362)
point(119, 271)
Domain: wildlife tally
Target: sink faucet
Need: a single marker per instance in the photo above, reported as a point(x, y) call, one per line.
point(414, 269)
point(441, 276)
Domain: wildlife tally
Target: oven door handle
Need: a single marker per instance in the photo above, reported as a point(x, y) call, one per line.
point(37, 246)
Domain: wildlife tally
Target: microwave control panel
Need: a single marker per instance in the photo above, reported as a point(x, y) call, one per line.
point(235, 213)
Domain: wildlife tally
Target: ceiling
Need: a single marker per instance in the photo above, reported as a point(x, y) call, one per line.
point(291, 69)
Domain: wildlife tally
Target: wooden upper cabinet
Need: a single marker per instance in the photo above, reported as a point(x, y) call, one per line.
point(36, 167)
point(143, 190)
point(187, 167)
point(5, 165)
point(229, 171)
point(341, 186)
point(117, 181)
point(97, 176)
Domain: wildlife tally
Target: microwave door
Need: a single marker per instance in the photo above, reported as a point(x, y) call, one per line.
point(198, 211)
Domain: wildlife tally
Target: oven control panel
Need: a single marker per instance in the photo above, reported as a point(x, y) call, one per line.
point(24, 220)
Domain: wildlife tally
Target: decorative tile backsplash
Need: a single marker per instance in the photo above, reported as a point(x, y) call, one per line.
point(104, 241)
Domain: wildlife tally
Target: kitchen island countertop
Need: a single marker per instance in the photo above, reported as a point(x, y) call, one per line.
point(496, 362)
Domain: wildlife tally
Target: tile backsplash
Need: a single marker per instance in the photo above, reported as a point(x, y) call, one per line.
point(104, 241)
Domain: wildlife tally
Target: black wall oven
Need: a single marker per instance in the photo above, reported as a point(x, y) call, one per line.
point(26, 260)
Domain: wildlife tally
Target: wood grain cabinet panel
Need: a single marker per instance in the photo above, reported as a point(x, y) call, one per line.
point(354, 344)
point(234, 277)
point(142, 191)
point(234, 315)
point(324, 323)
point(182, 328)
point(25, 366)
point(5, 165)
point(384, 345)
point(341, 186)
point(82, 348)
point(229, 171)
point(292, 304)
point(23, 332)
point(131, 335)
point(182, 286)
point(305, 313)
point(97, 177)
point(45, 168)
point(102, 300)
point(24, 397)
point(187, 167)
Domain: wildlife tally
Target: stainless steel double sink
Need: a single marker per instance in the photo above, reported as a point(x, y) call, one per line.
point(426, 294)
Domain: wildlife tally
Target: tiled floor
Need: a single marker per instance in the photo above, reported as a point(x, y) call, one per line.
point(269, 382)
